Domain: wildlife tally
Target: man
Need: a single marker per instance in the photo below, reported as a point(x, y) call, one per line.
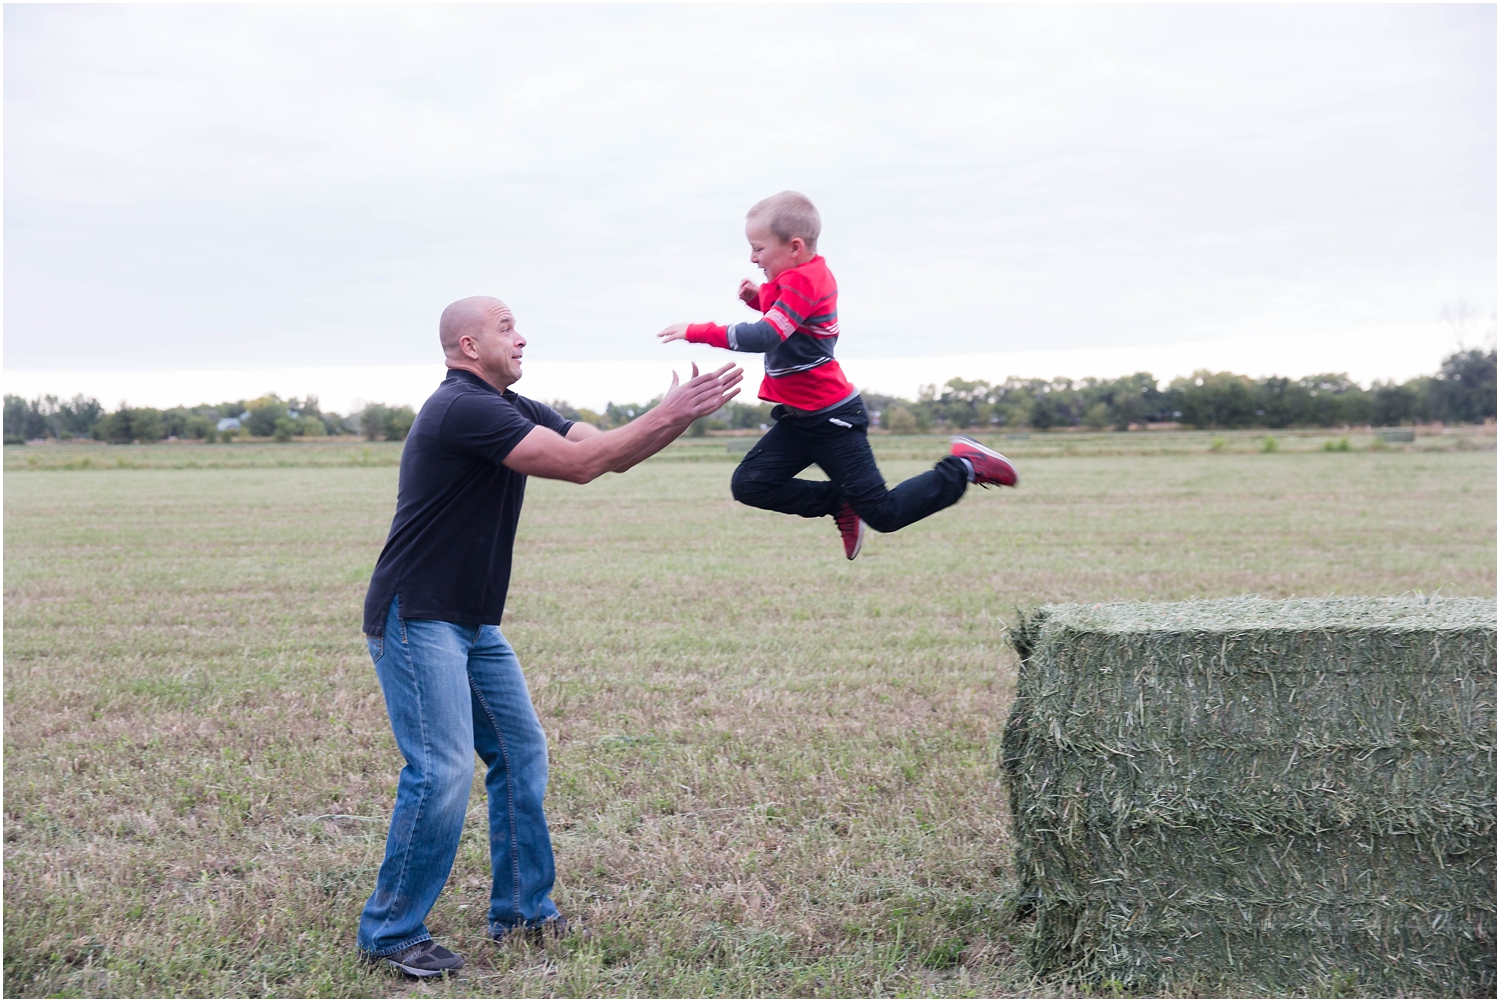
point(452, 684)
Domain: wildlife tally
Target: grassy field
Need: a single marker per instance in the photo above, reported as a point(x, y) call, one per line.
point(263, 452)
point(774, 770)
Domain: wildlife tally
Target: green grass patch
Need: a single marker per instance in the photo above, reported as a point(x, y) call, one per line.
point(774, 771)
point(1259, 795)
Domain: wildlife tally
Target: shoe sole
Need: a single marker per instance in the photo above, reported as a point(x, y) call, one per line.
point(539, 934)
point(419, 972)
point(966, 440)
point(859, 540)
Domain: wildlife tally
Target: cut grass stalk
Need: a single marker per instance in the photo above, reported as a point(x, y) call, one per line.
point(1270, 794)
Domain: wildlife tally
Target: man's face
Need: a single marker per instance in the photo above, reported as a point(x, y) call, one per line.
point(499, 346)
point(767, 250)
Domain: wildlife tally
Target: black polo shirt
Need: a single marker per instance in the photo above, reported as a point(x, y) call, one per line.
point(448, 554)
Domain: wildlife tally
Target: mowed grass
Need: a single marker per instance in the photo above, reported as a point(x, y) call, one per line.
point(774, 771)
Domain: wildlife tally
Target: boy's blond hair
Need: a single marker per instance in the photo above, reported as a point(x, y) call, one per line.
point(789, 214)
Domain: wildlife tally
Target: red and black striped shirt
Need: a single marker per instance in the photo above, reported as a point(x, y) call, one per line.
point(797, 334)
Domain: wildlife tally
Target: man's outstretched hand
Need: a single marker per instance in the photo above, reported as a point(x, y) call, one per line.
point(701, 395)
point(545, 453)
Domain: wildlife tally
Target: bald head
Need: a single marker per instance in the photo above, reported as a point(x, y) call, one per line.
point(468, 316)
point(479, 334)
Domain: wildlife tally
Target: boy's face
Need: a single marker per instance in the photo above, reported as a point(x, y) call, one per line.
point(767, 250)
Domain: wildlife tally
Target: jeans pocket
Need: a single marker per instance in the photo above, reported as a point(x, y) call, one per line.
point(377, 648)
point(837, 425)
point(852, 415)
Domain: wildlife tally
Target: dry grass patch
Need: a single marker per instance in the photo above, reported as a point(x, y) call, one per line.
point(774, 772)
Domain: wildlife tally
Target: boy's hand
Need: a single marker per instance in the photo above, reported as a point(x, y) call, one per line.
point(749, 292)
point(677, 332)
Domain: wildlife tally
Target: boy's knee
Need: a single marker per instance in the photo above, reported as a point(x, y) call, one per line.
point(745, 488)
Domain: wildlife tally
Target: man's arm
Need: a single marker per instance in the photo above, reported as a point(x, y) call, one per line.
point(545, 453)
point(580, 431)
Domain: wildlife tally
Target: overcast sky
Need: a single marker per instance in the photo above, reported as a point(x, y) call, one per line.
point(220, 187)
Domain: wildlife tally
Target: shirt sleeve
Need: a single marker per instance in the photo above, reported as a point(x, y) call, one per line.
point(757, 336)
point(765, 294)
point(544, 415)
point(760, 335)
point(710, 333)
point(793, 301)
point(484, 425)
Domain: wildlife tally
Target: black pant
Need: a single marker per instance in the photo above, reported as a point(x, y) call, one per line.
point(837, 442)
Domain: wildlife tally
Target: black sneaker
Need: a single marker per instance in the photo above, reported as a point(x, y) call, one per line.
point(553, 928)
point(421, 960)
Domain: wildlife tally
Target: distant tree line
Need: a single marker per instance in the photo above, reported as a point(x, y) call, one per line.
point(1462, 392)
point(735, 415)
point(264, 417)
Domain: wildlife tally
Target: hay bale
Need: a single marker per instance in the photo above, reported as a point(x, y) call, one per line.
point(1279, 796)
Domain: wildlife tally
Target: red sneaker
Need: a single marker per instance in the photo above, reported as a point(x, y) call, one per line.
point(852, 528)
point(989, 466)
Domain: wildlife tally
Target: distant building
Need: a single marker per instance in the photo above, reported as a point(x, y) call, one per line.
point(229, 422)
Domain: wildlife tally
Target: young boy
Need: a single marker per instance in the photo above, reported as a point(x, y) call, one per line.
point(820, 417)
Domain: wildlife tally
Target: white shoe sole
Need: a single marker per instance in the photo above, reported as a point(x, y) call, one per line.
point(859, 540)
point(418, 972)
point(966, 440)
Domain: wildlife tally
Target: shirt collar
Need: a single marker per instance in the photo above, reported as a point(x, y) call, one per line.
point(478, 380)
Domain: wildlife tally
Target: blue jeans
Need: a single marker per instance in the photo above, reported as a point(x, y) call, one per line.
point(452, 690)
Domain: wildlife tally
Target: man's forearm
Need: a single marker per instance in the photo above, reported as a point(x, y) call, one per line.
point(544, 453)
point(658, 441)
point(619, 449)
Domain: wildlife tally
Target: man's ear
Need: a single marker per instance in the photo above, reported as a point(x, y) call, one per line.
point(468, 347)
